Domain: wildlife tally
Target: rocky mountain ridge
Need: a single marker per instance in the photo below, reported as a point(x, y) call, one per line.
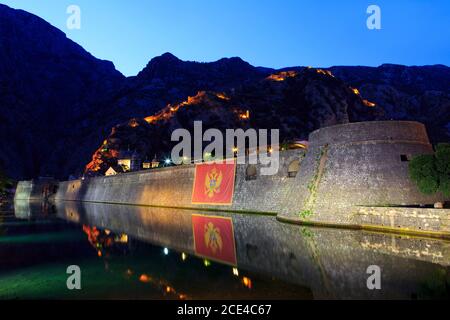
point(59, 102)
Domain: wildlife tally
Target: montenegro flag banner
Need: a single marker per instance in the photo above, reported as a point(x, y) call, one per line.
point(214, 183)
point(214, 238)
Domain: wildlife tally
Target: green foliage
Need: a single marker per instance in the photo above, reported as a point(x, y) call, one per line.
point(306, 213)
point(443, 158)
point(445, 185)
point(428, 185)
point(423, 172)
point(431, 173)
point(285, 145)
point(314, 183)
point(306, 232)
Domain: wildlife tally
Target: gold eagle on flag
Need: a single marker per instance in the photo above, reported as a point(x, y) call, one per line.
point(213, 180)
point(213, 239)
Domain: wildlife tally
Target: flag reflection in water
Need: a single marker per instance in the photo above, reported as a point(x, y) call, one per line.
point(214, 238)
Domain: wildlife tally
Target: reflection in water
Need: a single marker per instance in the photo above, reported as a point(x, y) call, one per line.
point(108, 244)
point(214, 238)
point(32, 209)
point(102, 240)
point(259, 256)
point(35, 266)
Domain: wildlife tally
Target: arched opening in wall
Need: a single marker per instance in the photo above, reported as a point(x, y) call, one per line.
point(293, 168)
point(250, 172)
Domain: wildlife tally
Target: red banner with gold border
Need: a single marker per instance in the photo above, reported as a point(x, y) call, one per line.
point(214, 238)
point(214, 183)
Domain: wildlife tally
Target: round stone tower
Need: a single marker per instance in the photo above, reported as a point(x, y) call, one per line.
point(360, 164)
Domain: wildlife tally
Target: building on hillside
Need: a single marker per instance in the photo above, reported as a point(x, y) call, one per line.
point(150, 164)
point(136, 162)
point(113, 170)
point(129, 160)
point(147, 164)
point(124, 160)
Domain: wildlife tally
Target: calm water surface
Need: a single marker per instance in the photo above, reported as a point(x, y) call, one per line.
point(131, 252)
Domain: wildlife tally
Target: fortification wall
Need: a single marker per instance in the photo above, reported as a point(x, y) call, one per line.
point(23, 190)
point(360, 164)
point(172, 187)
point(38, 189)
point(348, 170)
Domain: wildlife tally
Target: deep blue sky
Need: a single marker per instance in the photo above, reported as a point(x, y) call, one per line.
point(271, 33)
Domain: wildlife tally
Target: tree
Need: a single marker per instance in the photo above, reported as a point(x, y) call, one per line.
point(431, 172)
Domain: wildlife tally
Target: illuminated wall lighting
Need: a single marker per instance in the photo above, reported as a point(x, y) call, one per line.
point(247, 282)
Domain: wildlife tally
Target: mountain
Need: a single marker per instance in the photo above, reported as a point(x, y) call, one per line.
point(167, 79)
point(406, 93)
point(58, 102)
point(294, 102)
point(389, 92)
point(49, 87)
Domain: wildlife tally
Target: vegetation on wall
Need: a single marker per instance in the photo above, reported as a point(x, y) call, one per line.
point(313, 185)
point(431, 172)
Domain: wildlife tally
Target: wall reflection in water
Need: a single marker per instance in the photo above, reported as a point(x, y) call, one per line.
point(331, 262)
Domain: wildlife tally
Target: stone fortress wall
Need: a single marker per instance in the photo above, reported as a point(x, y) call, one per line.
point(361, 164)
point(24, 190)
point(172, 187)
point(352, 174)
point(37, 189)
point(356, 175)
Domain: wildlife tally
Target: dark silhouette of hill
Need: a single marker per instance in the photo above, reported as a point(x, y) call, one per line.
point(58, 102)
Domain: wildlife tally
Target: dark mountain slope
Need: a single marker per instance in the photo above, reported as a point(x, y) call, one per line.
point(48, 84)
point(165, 79)
point(58, 102)
point(406, 93)
point(295, 103)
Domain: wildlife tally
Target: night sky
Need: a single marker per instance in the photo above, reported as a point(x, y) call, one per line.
point(264, 33)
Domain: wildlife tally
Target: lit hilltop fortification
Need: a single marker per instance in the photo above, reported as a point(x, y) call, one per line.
point(353, 174)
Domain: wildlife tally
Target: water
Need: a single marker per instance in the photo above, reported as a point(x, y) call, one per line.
point(132, 252)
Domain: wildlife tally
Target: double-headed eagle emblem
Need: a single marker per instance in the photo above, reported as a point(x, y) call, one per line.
point(213, 239)
point(213, 180)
